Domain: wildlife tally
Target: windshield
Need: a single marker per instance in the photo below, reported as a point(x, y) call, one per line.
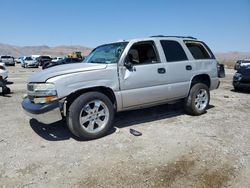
point(108, 53)
point(28, 58)
point(245, 62)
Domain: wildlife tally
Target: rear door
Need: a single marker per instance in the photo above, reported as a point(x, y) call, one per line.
point(179, 69)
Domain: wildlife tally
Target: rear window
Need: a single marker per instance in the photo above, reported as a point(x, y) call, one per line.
point(6, 57)
point(197, 50)
point(45, 57)
point(173, 51)
point(28, 58)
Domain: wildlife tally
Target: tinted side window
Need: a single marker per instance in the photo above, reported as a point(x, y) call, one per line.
point(173, 51)
point(197, 50)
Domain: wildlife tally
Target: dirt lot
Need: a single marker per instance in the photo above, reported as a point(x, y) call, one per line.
point(175, 149)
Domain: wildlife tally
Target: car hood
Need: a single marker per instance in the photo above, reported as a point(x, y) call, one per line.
point(64, 69)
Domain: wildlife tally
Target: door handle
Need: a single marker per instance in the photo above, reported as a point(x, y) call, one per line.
point(188, 67)
point(161, 70)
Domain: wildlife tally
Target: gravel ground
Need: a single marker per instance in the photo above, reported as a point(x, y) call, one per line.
point(175, 149)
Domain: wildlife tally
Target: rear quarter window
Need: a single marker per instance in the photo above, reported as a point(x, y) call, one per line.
point(199, 50)
point(173, 51)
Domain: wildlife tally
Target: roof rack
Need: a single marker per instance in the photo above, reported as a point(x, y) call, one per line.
point(175, 36)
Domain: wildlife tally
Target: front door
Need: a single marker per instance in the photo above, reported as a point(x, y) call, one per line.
point(145, 82)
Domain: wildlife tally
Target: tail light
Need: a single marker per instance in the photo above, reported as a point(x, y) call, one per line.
point(2, 67)
point(220, 70)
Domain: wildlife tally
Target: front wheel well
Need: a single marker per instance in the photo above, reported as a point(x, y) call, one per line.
point(105, 90)
point(202, 78)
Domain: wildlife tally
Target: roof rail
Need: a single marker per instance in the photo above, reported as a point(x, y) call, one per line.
point(175, 36)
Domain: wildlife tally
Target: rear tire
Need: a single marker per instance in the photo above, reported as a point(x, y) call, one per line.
point(90, 116)
point(198, 99)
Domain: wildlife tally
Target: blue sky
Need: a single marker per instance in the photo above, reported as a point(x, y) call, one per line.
point(224, 25)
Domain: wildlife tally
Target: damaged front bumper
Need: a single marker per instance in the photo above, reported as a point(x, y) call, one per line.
point(45, 113)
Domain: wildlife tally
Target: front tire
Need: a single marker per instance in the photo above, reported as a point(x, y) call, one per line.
point(236, 88)
point(198, 99)
point(90, 116)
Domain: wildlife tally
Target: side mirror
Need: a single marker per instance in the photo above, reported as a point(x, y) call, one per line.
point(221, 70)
point(129, 65)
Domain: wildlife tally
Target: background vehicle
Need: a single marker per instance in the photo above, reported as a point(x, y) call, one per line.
point(7, 60)
point(42, 59)
point(35, 56)
point(3, 72)
point(30, 62)
point(123, 76)
point(61, 62)
point(22, 61)
point(56, 59)
point(19, 60)
point(3, 76)
point(76, 55)
point(241, 79)
point(240, 63)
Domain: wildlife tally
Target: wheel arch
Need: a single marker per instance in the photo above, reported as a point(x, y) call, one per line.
point(102, 89)
point(200, 78)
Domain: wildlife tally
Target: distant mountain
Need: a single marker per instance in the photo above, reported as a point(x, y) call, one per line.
point(232, 56)
point(17, 51)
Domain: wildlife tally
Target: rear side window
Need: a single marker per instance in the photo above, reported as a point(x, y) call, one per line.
point(173, 51)
point(198, 50)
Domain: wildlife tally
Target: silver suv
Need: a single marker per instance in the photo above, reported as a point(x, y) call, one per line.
point(122, 76)
point(7, 60)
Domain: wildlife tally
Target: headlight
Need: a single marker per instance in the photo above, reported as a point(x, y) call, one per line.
point(42, 92)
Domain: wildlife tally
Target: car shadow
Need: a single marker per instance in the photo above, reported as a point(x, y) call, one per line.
point(210, 107)
point(5, 95)
point(243, 90)
point(134, 117)
point(59, 131)
point(9, 82)
point(53, 132)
